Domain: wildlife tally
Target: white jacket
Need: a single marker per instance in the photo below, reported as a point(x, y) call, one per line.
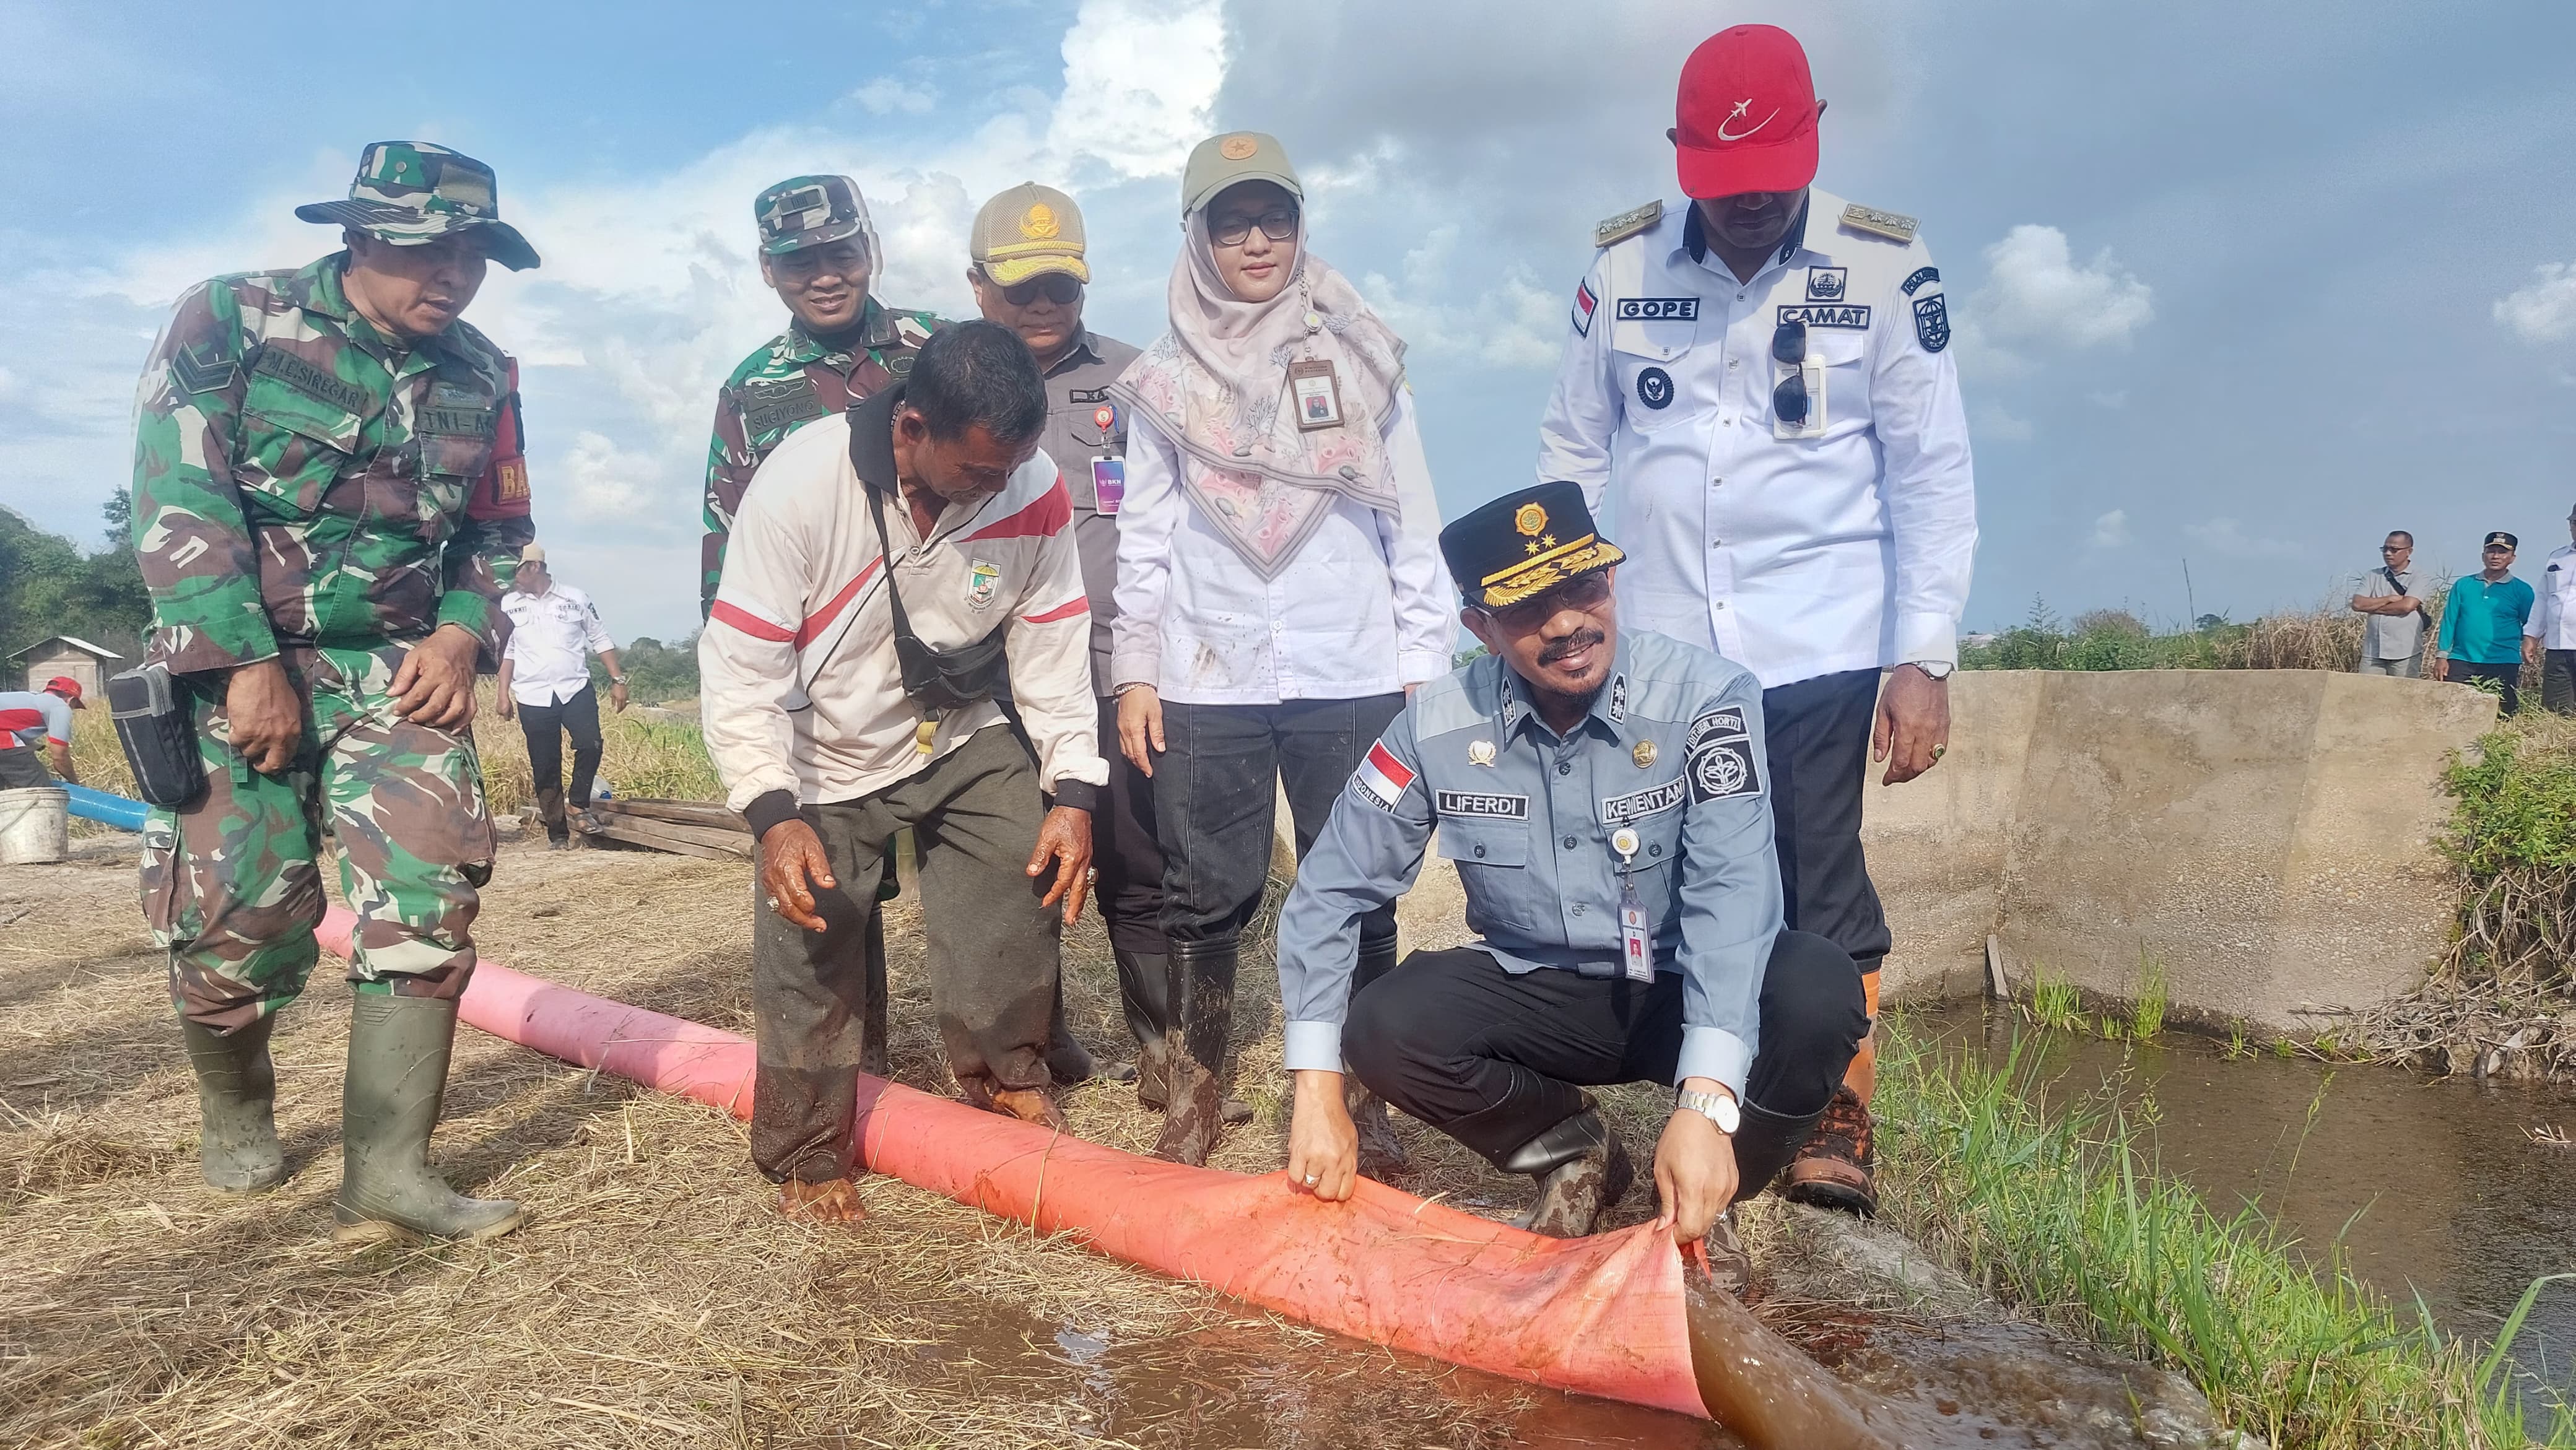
point(801, 690)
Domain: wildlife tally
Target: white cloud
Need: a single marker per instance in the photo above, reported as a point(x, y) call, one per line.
point(1996, 423)
point(2035, 292)
point(2111, 530)
point(2545, 311)
point(2225, 536)
point(885, 95)
point(603, 483)
point(1140, 81)
point(1513, 323)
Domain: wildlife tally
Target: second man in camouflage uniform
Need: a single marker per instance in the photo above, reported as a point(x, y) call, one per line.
point(329, 494)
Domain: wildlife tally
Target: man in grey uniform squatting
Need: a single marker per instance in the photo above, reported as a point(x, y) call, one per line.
point(1605, 799)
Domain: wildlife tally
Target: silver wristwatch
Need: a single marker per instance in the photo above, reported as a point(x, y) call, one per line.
point(1934, 669)
point(1718, 1108)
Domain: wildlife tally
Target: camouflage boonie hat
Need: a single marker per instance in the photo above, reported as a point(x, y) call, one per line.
point(407, 192)
point(811, 211)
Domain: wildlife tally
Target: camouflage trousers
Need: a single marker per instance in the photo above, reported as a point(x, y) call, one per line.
point(232, 886)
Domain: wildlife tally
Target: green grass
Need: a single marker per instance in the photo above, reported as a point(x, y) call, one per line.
point(2054, 1002)
point(2059, 1207)
point(2147, 1013)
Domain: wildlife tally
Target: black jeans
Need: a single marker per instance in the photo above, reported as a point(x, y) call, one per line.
point(544, 726)
point(2506, 678)
point(991, 951)
point(1215, 805)
point(1125, 850)
point(1494, 1059)
point(2558, 681)
point(21, 768)
point(1816, 742)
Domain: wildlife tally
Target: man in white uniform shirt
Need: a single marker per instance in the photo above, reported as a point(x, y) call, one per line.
point(545, 682)
point(2553, 624)
point(1758, 385)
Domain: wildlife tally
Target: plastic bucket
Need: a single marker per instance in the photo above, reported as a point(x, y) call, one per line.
point(35, 825)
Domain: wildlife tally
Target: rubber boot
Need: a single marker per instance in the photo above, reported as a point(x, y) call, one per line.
point(1765, 1142)
point(550, 810)
point(875, 1058)
point(397, 1080)
point(1202, 993)
point(1382, 1154)
point(1838, 1168)
point(1145, 994)
point(1583, 1172)
point(236, 1105)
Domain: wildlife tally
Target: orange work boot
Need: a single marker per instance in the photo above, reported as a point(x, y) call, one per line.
point(1837, 1168)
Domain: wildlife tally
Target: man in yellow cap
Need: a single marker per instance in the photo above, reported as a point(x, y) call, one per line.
point(1029, 274)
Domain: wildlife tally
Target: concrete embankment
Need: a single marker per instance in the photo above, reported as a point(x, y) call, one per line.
point(2263, 838)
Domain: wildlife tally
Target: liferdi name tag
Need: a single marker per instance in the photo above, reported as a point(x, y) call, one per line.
point(1108, 484)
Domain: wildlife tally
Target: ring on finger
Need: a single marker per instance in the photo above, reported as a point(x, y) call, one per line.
point(1940, 750)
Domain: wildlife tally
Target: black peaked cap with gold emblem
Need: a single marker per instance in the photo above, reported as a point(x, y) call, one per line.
point(1522, 544)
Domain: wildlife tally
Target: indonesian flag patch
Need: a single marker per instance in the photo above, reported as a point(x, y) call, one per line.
point(1584, 303)
point(1381, 778)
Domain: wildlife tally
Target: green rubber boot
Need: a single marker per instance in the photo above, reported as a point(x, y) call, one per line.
point(398, 1051)
point(236, 1105)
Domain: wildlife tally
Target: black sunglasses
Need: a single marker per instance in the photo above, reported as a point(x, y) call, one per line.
point(1279, 224)
point(1060, 288)
point(1583, 591)
point(1789, 348)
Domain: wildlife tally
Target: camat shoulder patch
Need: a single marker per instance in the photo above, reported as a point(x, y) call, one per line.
point(1887, 224)
point(1627, 224)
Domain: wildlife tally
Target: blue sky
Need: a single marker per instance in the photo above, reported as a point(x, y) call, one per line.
point(2243, 285)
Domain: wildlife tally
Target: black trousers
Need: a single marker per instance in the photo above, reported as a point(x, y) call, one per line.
point(991, 951)
point(1125, 850)
point(545, 726)
point(1215, 807)
point(1494, 1059)
point(1816, 745)
point(21, 768)
point(2506, 678)
point(2558, 681)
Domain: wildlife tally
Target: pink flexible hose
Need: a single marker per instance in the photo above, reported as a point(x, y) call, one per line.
point(1597, 1316)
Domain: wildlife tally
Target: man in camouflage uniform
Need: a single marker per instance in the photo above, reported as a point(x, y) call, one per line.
point(818, 249)
point(329, 496)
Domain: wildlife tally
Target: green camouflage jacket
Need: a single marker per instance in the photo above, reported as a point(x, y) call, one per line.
point(299, 479)
point(788, 382)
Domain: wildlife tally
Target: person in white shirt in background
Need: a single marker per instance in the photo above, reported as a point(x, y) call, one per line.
point(1279, 589)
point(1758, 382)
point(545, 683)
point(2553, 626)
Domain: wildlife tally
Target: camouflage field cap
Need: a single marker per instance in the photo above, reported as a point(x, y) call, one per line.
point(407, 192)
point(810, 211)
point(1026, 232)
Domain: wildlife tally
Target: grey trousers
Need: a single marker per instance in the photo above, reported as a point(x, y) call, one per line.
point(2558, 681)
point(2409, 668)
point(991, 949)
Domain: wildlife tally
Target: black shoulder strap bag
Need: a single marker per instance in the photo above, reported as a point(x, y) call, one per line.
point(934, 679)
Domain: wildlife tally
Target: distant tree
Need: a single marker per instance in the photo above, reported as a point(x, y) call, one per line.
point(2118, 622)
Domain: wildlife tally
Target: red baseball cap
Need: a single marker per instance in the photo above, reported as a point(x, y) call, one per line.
point(67, 687)
point(1746, 117)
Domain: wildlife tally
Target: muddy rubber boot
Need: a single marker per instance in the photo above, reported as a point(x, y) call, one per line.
point(1382, 1154)
point(1729, 1266)
point(875, 1059)
point(1838, 1167)
point(236, 1105)
point(398, 1053)
point(1202, 987)
point(1583, 1172)
point(1145, 996)
point(550, 810)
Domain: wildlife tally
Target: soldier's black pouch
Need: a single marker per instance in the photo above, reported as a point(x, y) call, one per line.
point(154, 724)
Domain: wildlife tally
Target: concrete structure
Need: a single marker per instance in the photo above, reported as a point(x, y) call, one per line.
point(62, 654)
point(2264, 836)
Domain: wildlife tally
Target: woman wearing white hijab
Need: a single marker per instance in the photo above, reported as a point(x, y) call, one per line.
point(1280, 585)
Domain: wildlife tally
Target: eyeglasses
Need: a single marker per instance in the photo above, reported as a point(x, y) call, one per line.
point(1585, 592)
point(1060, 288)
point(2394, 548)
point(1279, 224)
point(1789, 348)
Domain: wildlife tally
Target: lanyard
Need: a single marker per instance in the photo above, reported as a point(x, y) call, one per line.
point(1636, 943)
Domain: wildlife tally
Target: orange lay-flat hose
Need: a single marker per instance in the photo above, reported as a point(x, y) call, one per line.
point(1597, 1316)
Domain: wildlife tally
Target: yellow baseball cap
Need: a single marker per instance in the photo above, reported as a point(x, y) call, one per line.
point(1026, 232)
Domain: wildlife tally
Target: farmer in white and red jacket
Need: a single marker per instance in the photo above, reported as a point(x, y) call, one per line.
point(827, 751)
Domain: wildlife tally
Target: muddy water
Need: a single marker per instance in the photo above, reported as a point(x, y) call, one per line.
point(2435, 1185)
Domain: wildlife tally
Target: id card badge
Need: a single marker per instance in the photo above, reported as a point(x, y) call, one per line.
point(1812, 373)
point(1636, 938)
point(1108, 484)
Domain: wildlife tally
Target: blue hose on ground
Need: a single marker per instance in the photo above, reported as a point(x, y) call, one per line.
point(99, 805)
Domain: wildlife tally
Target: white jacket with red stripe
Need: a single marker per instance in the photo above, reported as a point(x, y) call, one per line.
point(801, 691)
